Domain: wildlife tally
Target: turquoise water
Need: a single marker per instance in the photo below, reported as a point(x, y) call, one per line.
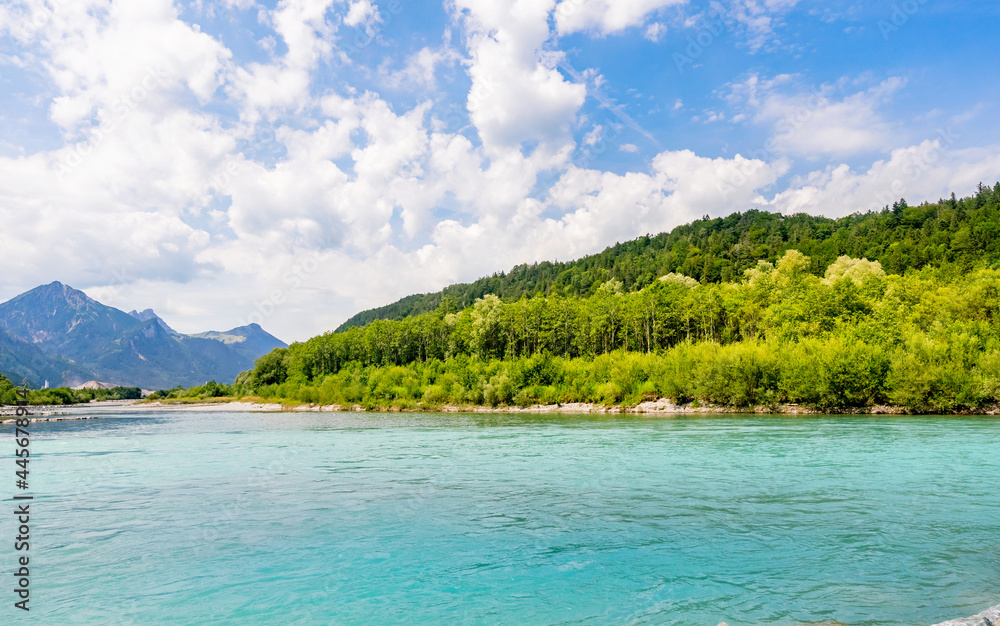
point(202, 518)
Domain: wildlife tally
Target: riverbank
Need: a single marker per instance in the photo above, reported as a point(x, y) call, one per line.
point(662, 406)
point(59, 412)
point(989, 617)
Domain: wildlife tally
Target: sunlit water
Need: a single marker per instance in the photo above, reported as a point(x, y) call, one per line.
point(200, 518)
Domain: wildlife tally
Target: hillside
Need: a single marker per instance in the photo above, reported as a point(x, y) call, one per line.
point(22, 361)
point(960, 232)
point(251, 340)
point(922, 335)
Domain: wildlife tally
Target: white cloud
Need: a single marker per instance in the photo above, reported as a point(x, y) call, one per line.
point(84, 60)
point(606, 16)
point(361, 12)
point(655, 32)
point(593, 136)
point(420, 70)
point(517, 94)
point(758, 17)
point(926, 171)
point(817, 122)
point(284, 84)
point(629, 147)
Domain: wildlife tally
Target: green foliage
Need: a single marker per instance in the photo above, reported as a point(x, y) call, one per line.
point(960, 233)
point(57, 396)
point(270, 369)
point(211, 389)
point(793, 312)
point(66, 396)
point(8, 395)
point(858, 271)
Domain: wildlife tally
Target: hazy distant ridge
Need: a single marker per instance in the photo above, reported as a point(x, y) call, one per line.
point(59, 334)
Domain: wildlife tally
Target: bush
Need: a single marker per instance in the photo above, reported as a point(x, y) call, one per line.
point(500, 390)
point(435, 394)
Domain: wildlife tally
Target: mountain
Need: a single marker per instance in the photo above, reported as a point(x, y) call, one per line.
point(21, 360)
point(962, 233)
point(148, 314)
point(63, 321)
point(60, 334)
point(250, 341)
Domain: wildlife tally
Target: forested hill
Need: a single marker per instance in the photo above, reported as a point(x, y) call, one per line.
point(961, 232)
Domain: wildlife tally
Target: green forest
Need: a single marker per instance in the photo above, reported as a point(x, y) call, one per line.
point(897, 307)
point(965, 232)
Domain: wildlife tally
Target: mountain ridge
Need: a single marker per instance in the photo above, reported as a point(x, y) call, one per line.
point(149, 314)
point(60, 335)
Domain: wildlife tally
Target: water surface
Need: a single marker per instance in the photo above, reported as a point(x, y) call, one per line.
point(478, 519)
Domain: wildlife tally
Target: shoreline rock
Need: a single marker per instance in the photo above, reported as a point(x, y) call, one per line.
point(989, 617)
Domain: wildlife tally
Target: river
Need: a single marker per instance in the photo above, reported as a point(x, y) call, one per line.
point(358, 518)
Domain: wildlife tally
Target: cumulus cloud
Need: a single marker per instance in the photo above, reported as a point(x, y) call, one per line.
point(607, 16)
point(820, 121)
point(517, 93)
point(82, 48)
point(420, 69)
point(925, 171)
point(361, 12)
point(265, 88)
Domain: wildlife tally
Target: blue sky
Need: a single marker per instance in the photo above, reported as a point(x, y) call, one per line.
point(290, 163)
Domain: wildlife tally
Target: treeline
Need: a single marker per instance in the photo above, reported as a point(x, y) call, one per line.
point(211, 389)
point(964, 233)
point(922, 376)
point(928, 340)
point(65, 395)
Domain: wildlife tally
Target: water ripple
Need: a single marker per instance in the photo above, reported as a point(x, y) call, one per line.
point(483, 519)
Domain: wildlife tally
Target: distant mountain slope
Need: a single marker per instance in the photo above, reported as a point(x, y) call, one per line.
point(21, 360)
point(60, 334)
point(149, 314)
point(64, 321)
point(251, 341)
point(152, 358)
point(962, 232)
